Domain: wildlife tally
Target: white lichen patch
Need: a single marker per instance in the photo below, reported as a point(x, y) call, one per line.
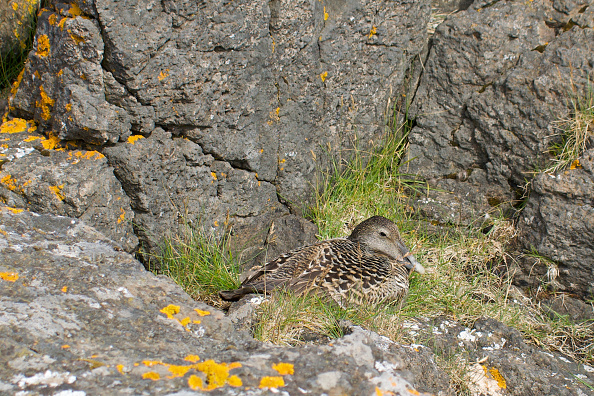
point(588, 369)
point(467, 335)
point(386, 366)
point(496, 345)
point(47, 378)
point(70, 392)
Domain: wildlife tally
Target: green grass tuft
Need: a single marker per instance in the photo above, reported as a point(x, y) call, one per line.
point(200, 263)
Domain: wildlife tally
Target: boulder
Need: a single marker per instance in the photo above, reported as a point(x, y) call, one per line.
point(498, 75)
point(80, 317)
point(558, 224)
point(38, 175)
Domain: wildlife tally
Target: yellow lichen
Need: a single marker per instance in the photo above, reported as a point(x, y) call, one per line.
point(493, 373)
point(57, 190)
point(16, 84)
point(151, 375)
point(15, 210)
point(201, 312)
point(10, 183)
point(195, 382)
point(216, 373)
point(51, 142)
point(120, 368)
point(272, 382)
point(43, 46)
point(192, 358)
point(234, 381)
point(178, 371)
point(214, 175)
point(75, 37)
point(122, 216)
point(52, 19)
point(64, 289)
point(575, 164)
point(325, 14)
point(170, 310)
point(150, 363)
point(44, 103)
point(9, 276)
point(32, 138)
point(323, 76)
point(164, 74)
point(75, 10)
point(15, 6)
point(68, 107)
point(65, 346)
point(16, 125)
point(284, 368)
point(372, 32)
point(132, 139)
point(62, 22)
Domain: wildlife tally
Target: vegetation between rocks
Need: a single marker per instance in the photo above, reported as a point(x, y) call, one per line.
point(466, 275)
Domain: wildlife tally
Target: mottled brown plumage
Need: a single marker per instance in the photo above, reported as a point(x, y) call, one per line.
point(372, 265)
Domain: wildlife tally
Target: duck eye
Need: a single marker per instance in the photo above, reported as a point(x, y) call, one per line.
point(383, 234)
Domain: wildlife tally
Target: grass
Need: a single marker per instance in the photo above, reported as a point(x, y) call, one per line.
point(200, 263)
point(13, 62)
point(576, 132)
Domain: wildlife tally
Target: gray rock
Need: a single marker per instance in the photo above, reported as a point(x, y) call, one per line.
point(172, 182)
point(78, 316)
point(493, 359)
point(569, 308)
point(558, 223)
point(493, 83)
point(73, 182)
point(62, 87)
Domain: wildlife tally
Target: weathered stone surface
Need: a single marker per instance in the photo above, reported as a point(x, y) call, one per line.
point(564, 306)
point(496, 78)
point(62, 86)
point(38, 176)
point(495, 360)
point(78, 316)
point(171, 181)
point(558, 222)
point(16, 22)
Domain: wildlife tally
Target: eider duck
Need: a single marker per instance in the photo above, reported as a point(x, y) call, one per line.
point(371, 266)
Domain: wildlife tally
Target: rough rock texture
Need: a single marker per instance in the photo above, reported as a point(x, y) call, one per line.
point(263, 92)
point(558, 222)
point(16, 18)
point(495, 360)
point(37, 175)
point(78, 316)
point(497, 76)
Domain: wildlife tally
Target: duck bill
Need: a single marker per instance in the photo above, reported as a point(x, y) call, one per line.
point(414, 265)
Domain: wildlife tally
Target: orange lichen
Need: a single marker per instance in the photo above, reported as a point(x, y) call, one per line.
point(65, 346)
point(217, 374)
point(164, 74)
point(178, 371)
point(16, 84)
point(192, 358)
point(44, 103)
point(214, 175)
point(325, 14)
point(170, 310)
point(272, 382)
point(195, 382)
point(132, 139)
point(150, 363)
point(57, 190)
point(496, 375)
point(51, 142)
point(68, 107)
point(372, 32)
point(10, 183)
point(43, 46)
point(413, 392)
point(9, 276)
point(120, 368)
point(575, 164)
point(14, 210)
point(75, 37)
point(64, 289)
point(234, 381)
point(32, 138)
point(75, 10)
point(201, 312)
point(284, 368)
point(151, 375)
point(16, 125)
point(52, 19)
point(122, 216)
point(323, 76)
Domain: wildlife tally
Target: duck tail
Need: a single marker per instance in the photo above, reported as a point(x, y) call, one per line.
point(234, 295)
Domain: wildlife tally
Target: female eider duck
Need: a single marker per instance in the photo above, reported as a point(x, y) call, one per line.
point(371, 266)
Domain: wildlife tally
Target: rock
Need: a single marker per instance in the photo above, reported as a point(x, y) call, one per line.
point(63, 285)
point(493, 84)
point(172, 182)
point(569, 308)
point(38, 175)
point(493, 359)
point(558, 223)
point(62, 86)
point(16, 22)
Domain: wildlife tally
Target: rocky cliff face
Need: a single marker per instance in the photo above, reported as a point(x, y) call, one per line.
point(210, 111)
